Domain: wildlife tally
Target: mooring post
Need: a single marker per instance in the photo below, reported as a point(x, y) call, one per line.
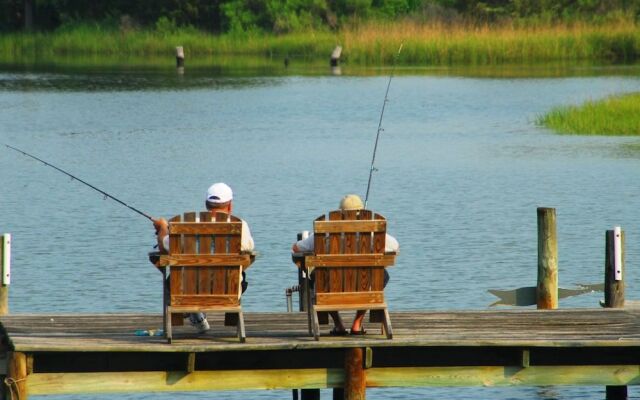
point(547, 288)
point(614, 288)
point(16, 381)
point(355, 381)
point(5, 262)
point(614, 268)
point(179, 57)
point(335, 56)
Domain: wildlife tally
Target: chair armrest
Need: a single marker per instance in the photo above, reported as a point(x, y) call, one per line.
point(298, 258)
point(252, 256)
point(163, 262)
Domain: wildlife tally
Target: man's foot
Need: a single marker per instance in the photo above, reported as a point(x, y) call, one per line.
point(199, 321)
point(361, 331)
point(338, 332)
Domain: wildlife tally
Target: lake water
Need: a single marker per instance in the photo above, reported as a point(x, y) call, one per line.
point(461, 164)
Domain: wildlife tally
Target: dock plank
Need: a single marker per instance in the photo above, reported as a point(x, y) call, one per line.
point(89, 353)
point(274, 331)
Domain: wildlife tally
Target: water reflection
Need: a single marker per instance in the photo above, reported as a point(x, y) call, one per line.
point(123, 80)
point(132, 74)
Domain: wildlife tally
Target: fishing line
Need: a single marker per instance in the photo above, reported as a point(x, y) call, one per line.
point(375, 147)
point(105, 194)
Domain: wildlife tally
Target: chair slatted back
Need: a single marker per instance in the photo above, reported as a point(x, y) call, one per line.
point(205, 260)
point(349, 258)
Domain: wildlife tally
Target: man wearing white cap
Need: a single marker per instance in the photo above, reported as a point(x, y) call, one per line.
point(219, 198)
point(348, 202)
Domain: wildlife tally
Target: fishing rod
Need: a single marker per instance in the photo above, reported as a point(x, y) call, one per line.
point(81, 181)
point(375, 147)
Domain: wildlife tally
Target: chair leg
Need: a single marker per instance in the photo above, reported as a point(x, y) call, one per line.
point(307, 290)
point(167, 325)
point(315, 324)
point(386, 325)
point(241, 333)
point(165, 301)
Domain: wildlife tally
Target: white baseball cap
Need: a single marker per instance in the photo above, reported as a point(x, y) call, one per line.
point(219, 193)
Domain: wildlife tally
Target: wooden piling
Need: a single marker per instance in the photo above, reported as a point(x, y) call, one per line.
point(614, 289)
point(16, 381)
point(5, 271)
point(355, 381)
point(335, 56)
point(547, 288)
point(179, 57)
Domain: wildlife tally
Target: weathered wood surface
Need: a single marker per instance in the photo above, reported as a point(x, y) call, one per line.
point(276, 331)
point(69, 354)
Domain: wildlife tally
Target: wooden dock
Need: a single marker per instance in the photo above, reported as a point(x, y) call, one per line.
point(65, 354)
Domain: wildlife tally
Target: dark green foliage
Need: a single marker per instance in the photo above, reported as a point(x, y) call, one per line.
point(281, 16)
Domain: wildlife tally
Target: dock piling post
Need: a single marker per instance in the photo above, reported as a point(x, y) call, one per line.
point(547, 288)
point(5, 262)
point(179, 57)
point(335, 56)
point(16, 381)
point(355, 382)
point(614, 288)
point(614, 269)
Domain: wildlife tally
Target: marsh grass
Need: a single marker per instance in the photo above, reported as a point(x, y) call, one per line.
point(369, 43)
point(615, 116)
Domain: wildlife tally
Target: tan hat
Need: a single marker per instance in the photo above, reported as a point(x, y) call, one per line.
point(351, 202)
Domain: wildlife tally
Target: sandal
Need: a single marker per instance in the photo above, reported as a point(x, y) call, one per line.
point(358, 333)
point(336, 332)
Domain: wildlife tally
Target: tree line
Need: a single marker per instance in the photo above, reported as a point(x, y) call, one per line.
point(282, 16)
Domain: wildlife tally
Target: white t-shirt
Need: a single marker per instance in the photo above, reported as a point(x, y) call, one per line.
point(245, 245)
point(308, 244)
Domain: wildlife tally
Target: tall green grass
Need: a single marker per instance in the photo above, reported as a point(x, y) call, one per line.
point(370, 43)
point(616, 115)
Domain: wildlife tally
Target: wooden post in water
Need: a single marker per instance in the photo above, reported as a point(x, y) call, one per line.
point(614, 269)
point(5, 264)
point(17, 376)
point(180, 60)
point(614, 288)
point(355, 381)
point(547, 289)
point(335, 56)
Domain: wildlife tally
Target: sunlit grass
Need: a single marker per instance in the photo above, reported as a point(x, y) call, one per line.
point(369, 43)
point(617, 115)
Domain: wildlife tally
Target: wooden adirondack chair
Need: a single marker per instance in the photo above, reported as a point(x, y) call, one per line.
point(205, 269)
point(348, 264)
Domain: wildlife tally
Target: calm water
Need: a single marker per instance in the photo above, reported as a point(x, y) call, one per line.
point(461, 169)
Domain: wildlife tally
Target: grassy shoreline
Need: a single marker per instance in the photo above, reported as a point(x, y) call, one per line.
point(371, 43)
point(614, 116)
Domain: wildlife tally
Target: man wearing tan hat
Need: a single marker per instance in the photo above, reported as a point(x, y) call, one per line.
point(219, 198)
point(348, 202)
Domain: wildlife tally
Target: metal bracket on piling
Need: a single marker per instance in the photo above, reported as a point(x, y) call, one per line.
point(368, 357)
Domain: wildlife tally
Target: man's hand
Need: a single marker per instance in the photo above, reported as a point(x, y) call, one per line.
point(160, 225)
point(162, 230)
